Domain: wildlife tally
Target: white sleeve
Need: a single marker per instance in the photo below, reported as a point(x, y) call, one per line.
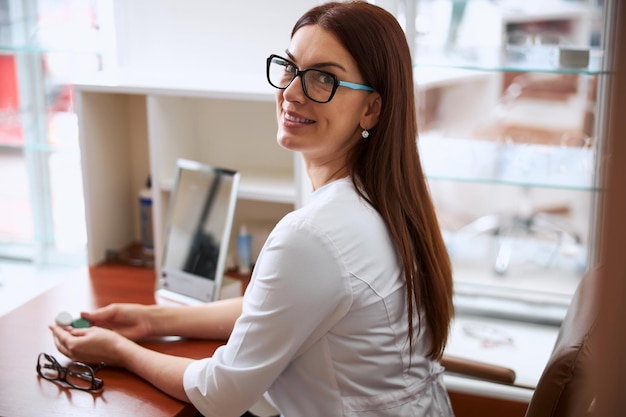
point(299, 290)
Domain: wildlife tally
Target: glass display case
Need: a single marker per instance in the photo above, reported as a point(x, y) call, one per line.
point(43, 44)
point(509, 96)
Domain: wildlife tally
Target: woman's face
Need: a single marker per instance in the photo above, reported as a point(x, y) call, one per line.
point(322, 132)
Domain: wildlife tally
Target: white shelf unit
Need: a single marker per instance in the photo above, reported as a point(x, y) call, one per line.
point(135, 126)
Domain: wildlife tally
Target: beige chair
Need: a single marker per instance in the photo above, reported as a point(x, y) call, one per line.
point(563, 389)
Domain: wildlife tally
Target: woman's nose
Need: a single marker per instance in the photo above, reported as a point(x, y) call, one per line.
point(294, 92)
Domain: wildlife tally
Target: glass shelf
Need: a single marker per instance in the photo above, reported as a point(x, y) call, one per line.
point(529, 165)
point(41, 49)
point(526, 59)
point(38, 147)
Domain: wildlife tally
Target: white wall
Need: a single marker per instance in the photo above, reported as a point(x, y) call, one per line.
point(199, 35)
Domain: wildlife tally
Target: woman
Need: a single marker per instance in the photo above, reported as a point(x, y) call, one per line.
point(350, 301)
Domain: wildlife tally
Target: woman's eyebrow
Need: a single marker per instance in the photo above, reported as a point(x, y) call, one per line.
point(319, 64)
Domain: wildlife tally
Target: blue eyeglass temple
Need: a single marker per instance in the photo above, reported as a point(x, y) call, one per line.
point(354, 86)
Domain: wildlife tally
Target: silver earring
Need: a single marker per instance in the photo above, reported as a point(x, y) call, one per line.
point(365, 134)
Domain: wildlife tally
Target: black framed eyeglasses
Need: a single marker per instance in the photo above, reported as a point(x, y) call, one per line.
point(77, 374)
point(319, 86)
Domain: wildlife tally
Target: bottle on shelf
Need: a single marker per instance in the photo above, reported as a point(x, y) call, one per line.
point(145, 212)
point(244, 250)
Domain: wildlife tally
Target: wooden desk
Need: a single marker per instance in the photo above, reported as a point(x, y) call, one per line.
point(24, 334)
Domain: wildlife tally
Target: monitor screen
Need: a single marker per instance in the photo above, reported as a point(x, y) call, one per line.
point(198, 229)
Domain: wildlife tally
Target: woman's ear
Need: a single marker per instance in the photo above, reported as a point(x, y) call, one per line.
point(372, 111)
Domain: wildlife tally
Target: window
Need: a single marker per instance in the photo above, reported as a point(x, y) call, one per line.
point(44, 44)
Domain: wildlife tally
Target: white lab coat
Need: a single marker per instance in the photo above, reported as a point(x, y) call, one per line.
point(324, 328)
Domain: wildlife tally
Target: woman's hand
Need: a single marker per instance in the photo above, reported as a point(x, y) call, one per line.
point(89, 345)
point(93, 345)
point(129, 320)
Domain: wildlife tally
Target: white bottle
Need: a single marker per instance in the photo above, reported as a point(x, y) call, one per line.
point(244, 250)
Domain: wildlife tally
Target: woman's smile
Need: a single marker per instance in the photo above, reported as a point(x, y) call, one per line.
point(291, 119)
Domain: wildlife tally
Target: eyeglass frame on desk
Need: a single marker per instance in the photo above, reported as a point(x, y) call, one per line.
point(78, 370)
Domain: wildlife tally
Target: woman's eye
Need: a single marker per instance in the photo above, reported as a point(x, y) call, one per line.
point(290, 68)
point(325, 79)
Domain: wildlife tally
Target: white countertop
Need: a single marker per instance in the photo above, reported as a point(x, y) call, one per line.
point(523, 347)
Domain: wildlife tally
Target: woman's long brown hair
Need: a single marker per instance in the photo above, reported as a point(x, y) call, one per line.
point(386, 166)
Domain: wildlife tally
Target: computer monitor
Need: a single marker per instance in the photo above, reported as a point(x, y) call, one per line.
point(198, 228)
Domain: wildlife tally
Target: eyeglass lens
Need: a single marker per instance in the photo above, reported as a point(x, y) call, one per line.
point(77, 375)
point(317, 85)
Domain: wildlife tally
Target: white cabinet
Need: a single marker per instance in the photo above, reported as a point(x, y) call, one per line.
point(136, 126)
